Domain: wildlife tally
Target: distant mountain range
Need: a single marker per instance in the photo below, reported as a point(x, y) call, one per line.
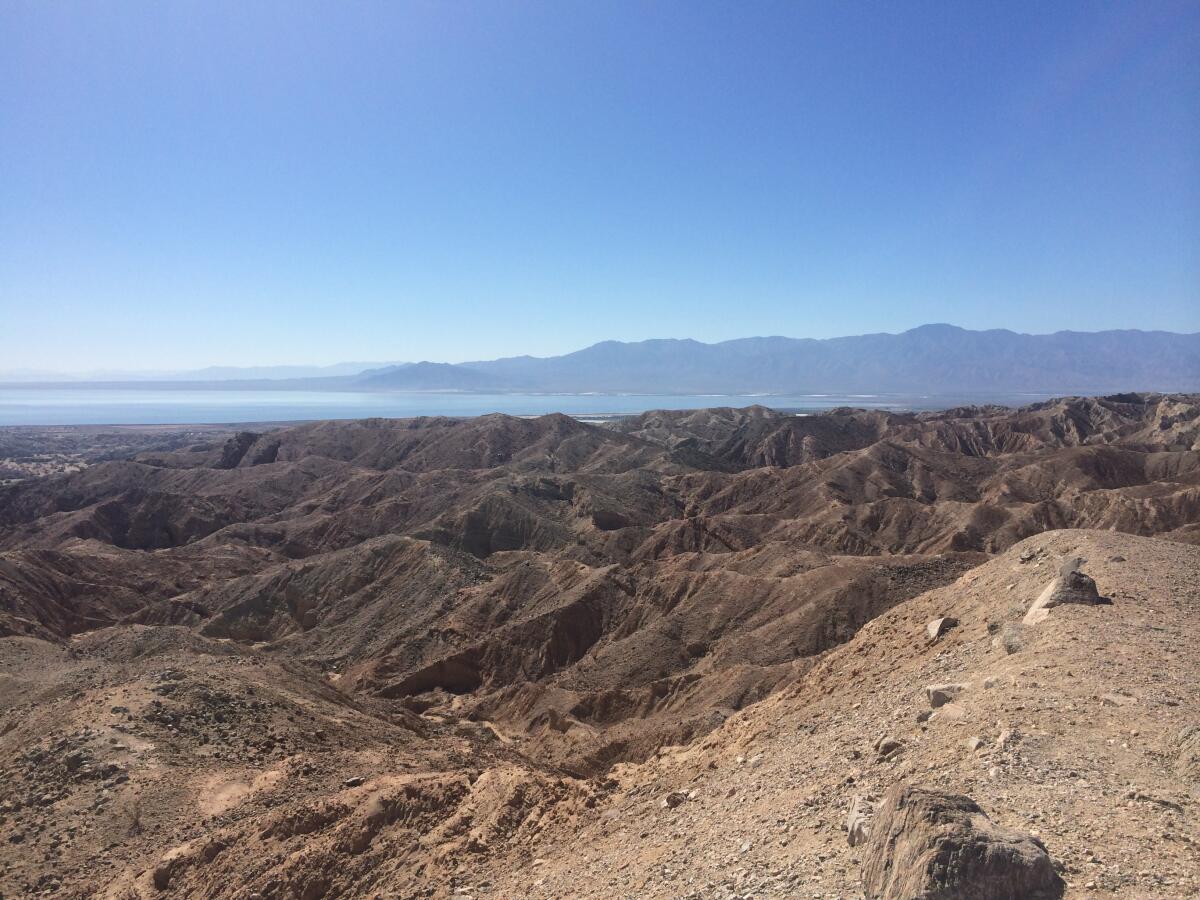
point(936, 359)
point(932, 358)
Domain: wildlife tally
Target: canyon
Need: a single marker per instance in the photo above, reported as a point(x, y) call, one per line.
point(658, 656)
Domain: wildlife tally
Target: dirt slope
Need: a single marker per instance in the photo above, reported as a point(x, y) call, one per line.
point(1084, 726)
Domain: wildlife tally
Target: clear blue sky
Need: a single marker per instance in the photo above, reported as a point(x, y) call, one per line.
point(194, 183)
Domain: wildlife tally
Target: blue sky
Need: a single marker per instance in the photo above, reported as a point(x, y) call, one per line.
point(195, 183)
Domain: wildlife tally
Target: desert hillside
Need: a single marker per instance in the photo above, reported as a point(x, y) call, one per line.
point(1080, 730)
point(666, 657)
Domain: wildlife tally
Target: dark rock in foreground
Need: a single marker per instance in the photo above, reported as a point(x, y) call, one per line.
point(937, 846)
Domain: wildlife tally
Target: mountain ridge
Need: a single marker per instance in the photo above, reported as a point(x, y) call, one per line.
point(930, 358)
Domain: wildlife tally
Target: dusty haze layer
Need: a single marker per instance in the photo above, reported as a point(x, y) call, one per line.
point(498, 656)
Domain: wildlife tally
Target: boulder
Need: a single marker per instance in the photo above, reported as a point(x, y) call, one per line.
point(1074, 586)
point(938, 846)
point(887, 747)
point(936, 628)
point(1010, 638)
point(1071, 586)
point(673, 799)
point(941, 694)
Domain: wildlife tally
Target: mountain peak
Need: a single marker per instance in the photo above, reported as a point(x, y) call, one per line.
point(937, 328)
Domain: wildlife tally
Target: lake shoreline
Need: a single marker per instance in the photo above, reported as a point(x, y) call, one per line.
point(143, 407)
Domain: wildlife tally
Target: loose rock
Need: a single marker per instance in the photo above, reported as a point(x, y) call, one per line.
point(673, 799)
point(941, 694)
point(936, 628)
point(887, 747)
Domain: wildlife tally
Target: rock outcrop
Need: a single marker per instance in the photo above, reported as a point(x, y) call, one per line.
point(938, 846)
point(1071, 586)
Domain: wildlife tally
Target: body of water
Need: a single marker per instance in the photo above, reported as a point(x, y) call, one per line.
point(110, 406)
